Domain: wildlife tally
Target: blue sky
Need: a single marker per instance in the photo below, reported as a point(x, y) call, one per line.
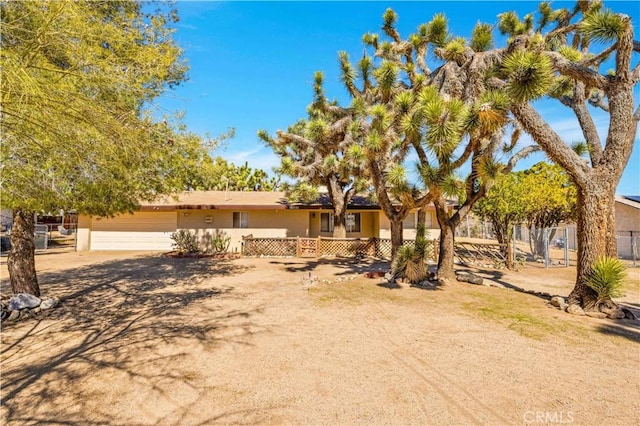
point(252, 64)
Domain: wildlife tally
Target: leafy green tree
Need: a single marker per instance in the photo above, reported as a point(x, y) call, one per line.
point(550, 198)
point(577, 56)
point(504, 207)
point(76, 77)
point(318, 152)
point(541, 197)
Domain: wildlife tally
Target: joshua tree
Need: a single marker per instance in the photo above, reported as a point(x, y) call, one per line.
point(317, 151)
point(565, 57)
point(446, 116)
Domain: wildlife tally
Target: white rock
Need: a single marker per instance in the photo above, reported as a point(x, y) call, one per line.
point(49, 302)
point(575, 310)
point(23, 301)
point(557, 301)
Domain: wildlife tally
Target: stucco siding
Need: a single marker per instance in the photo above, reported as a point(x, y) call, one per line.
point(368, 224)
point(261, 224)
point(138, 231)
point(409, 226)
point(627, 219)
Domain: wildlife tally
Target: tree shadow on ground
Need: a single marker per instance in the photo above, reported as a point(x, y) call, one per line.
point(498, 277)
point(124, 318)
point(349, 265)
point(629, 329)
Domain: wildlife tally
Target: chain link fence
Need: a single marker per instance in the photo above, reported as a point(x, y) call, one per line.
point(549, 247)
point(628, 248)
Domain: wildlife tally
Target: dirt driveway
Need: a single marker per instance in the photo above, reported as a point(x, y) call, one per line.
point(145, 339)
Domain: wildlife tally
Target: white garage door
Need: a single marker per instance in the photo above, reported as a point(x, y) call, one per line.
point(138, 231)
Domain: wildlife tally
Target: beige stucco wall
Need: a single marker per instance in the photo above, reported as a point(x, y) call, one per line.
point(409, 226)
point(368, 224)
point(269, 223)
point(627, 219)
point(262, 223)
point(83, 234)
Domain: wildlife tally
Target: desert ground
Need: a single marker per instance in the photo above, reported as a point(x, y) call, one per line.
point(140, 338)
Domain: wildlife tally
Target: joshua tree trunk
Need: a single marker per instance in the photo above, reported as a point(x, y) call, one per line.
point(446, 251)
point(21, 260)
point(596, 237)
point(339, 218)
point(422, 221)
point(446, 254)
point(596, 185)
point(397, 238)
point(340, 200)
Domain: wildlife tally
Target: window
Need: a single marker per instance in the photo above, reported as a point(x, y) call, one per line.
point(326, 222)
point(240, 219)
point(410, 221)
point(429, 222)
point(352, 222)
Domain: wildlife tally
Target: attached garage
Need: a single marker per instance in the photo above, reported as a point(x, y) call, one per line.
point(138, 231)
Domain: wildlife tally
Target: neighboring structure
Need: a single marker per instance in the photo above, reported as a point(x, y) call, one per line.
point(6, 219)
point(237, 214)
point(627, 208)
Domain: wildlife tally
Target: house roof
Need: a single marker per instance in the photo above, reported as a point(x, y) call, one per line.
point(210, 200)
point(629, 200)
point(324, 201)
point(246, 200)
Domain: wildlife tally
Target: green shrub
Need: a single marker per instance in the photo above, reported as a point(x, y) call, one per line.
point(606, 278)
point(185, 242)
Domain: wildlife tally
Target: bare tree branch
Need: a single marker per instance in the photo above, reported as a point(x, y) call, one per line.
point(550, 141)
point(588, 127)
point(597, 100)
point(523, 153)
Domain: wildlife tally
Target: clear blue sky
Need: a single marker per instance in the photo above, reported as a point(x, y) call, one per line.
point(252, 64)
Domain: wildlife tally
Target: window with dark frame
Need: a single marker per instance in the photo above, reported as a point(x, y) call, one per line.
point(353, 222)
point(240, 219)
point(326, 222)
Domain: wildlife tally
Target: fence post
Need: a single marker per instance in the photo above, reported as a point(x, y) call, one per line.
point(634, 248)
point(297, 246)
point(545, 237)
point(513, 247)
point(566, 247)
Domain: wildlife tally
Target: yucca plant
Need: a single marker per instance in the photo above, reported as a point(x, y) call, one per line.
point(606, 278)
point(410, 262)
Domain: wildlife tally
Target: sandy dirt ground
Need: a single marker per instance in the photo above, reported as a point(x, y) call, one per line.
point(146, 339)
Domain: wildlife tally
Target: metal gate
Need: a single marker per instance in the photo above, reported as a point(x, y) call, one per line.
point(41, 237)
